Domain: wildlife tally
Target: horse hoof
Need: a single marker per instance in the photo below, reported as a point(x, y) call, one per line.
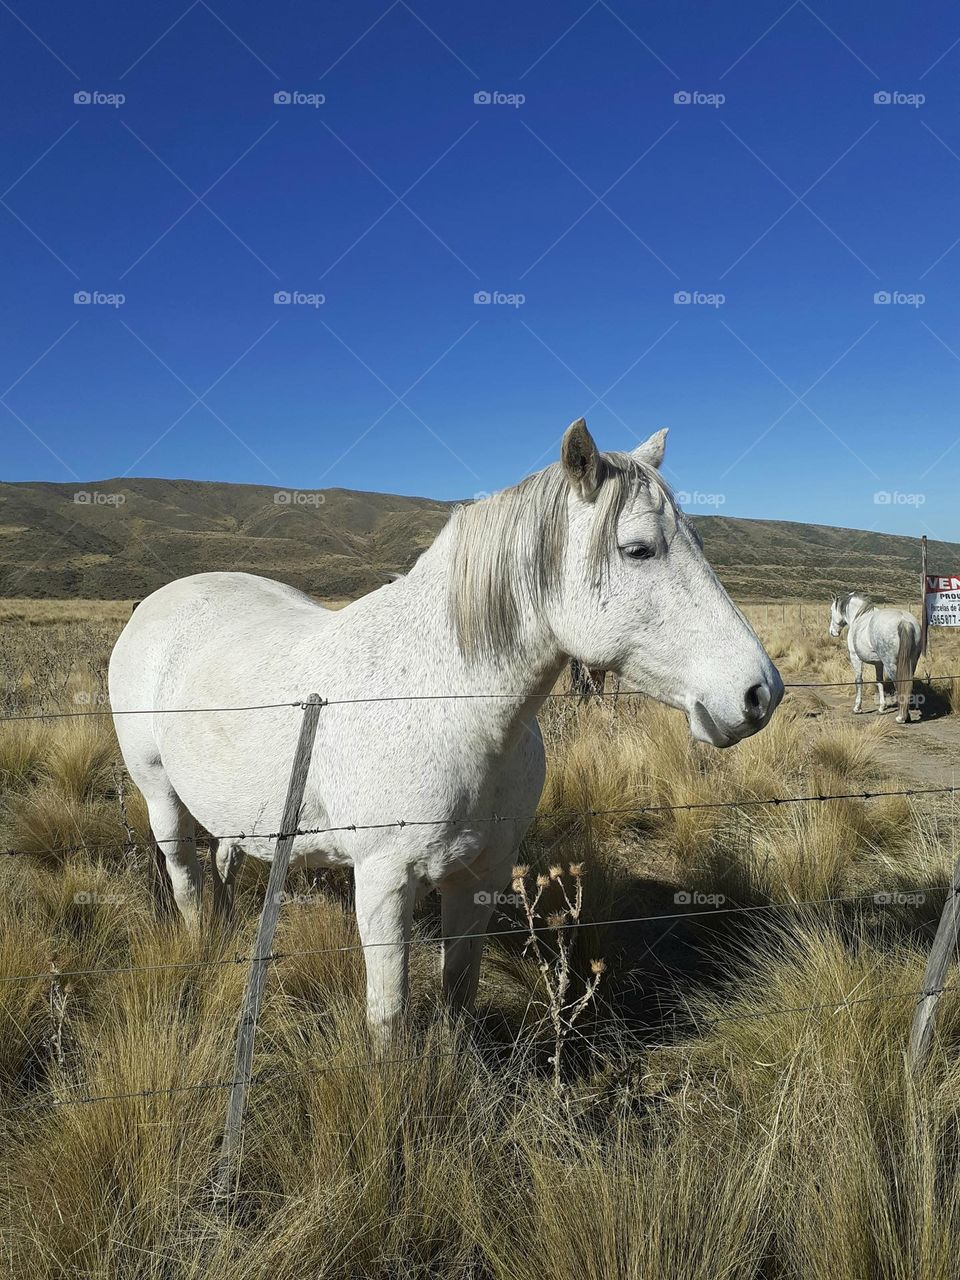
point(901, 719)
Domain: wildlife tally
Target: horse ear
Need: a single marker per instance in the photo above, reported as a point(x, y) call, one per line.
point(651, 451)
point(581, 460)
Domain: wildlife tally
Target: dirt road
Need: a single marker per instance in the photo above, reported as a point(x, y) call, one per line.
point(927, 751)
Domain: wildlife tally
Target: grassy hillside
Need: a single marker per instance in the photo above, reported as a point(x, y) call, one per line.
point(130, 536)
point(777, 559)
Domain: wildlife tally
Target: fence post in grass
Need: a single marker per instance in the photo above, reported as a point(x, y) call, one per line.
point(943, 947)
point(250, 1009)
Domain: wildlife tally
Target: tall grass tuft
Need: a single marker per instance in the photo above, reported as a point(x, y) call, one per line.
point(735, 1100)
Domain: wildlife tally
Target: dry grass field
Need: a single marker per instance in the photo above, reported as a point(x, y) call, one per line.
point(733, 1099)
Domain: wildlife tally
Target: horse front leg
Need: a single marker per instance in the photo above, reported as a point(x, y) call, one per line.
point(385, 899)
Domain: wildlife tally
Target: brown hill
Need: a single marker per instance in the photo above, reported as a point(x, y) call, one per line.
point(121, 539)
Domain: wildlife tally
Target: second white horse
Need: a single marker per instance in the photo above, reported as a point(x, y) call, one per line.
point(887, 638)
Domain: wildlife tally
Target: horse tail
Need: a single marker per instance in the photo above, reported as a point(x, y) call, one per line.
point(905, 669)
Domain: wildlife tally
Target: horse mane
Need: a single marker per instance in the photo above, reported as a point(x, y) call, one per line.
point(508, 548)
point(844, 598)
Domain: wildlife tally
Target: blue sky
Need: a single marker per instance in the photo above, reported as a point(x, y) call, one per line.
point(782, 199)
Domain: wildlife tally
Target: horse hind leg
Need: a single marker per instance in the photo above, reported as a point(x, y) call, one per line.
point(174, 830)
point(465, 914)
point(881, 696)
point(225, 863)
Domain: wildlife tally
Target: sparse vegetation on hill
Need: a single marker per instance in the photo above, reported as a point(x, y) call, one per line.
point(134, 535)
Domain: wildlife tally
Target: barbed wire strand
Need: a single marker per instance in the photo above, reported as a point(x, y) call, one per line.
point(126, 846)
point(404, 697)
point(877, 899)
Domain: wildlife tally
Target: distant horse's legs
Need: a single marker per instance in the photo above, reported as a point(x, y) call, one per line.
point(858, 681)
point(586, 681)
point(881, 696)
point(225, 862)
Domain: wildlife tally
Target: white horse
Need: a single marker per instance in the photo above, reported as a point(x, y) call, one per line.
point(888, 638)
point(589, 557)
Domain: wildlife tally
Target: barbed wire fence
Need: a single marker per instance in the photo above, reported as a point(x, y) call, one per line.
point(574, 695)
point(243, 1078)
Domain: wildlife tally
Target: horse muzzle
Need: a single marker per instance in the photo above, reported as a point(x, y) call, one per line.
point(715, 725)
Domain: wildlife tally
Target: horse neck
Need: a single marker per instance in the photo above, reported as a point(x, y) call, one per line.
point(529, 672)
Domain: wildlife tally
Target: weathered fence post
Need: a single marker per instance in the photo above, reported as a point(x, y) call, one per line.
point(943, 947)
point(250, 1010)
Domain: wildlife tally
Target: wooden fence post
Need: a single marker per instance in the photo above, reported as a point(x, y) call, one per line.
point(923, 595)
point(943, 947)
point(228, 1163)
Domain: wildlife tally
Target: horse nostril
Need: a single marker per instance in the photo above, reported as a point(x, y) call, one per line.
point(756, 702)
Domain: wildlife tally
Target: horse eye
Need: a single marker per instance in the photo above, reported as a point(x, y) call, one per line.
point(638, 551)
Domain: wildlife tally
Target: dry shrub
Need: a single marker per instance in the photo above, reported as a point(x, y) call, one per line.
point(22, 749)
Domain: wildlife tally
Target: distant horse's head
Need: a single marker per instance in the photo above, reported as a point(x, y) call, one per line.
point(596, 545)
point(838, 614)
point(844, 608)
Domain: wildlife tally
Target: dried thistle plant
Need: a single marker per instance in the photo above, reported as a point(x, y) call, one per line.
point(57, 1002)
point(566, 998)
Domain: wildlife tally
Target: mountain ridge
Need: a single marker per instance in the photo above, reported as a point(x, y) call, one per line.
point(123, 537)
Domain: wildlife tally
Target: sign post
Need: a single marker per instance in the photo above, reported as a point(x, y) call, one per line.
point(923, 595)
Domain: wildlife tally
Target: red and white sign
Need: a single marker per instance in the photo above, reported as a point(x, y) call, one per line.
point(942, 600)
